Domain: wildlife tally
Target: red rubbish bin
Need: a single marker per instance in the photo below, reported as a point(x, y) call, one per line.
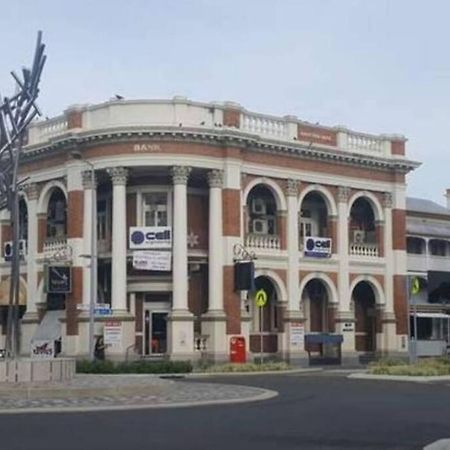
point(237, 349)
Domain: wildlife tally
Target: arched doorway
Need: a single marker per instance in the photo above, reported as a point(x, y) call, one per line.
point(316, 304)
point(266, 320)
point(363, 297)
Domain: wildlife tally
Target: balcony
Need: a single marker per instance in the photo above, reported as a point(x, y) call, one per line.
point(364, 249)
point(263, 241)
point(423, 262)
point(56, 247)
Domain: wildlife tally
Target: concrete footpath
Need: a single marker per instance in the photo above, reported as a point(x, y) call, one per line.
point(109, 392)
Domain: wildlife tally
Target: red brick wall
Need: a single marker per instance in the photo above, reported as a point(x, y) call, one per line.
point(232, 302)
point(398, 148)
point(75, 214)
point(185, 148)
point(400, 304)
point(198, 218)
point(131, 212)
point(231, 118)
point(42, 231)
point(73, 299)
point(198, 295)
point(231, 204)
point(399, 229)
point(74, 119)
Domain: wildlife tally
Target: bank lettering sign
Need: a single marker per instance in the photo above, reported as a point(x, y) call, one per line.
point(317, 246)
point(141, 238)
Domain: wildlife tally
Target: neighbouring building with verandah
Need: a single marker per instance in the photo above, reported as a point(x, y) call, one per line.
point(179, 185)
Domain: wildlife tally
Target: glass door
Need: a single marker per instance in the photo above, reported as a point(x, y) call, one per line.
point(158, 332)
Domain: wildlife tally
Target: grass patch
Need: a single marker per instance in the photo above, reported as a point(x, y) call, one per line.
point(425, 367)
point(109, 367)
point(247, 367)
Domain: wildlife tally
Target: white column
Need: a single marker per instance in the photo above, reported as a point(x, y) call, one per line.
point(343, 249)
point(32, 192)
point(87, 238)
point(215, 180)
point(180, 336)
point(293, 316)
point(344, 314)
point(119, 239)
point(214, 321)
point(388, 253)
point(292, 245)
point(180, 176)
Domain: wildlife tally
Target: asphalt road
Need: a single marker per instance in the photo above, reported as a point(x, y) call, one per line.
point(312, 412)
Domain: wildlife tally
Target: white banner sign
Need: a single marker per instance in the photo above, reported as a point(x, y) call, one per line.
point(112, 333)
point(42, 349)
point(297, 334)
point(150, 237)
point(152, 260)
point(317, 246)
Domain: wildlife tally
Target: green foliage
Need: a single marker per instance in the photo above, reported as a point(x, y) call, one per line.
point(425, 367)
point(109, 367)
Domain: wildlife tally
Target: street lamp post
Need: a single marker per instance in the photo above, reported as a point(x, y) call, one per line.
point(92, 256)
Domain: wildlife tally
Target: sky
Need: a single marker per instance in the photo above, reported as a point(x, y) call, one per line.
point(379, 66)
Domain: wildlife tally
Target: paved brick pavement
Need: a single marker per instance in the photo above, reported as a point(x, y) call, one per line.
point(120, 391)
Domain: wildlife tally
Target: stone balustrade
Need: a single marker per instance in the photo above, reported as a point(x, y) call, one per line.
point(264, 241)
point(180, 112)
point(56, 247)
point(370, 250)
point(201, 343)
point(263, 125)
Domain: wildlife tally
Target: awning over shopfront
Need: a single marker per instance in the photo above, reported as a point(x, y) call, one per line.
point(50, 327)
point(433, 315)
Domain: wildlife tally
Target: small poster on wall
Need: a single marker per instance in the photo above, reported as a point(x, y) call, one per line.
point(297, 334)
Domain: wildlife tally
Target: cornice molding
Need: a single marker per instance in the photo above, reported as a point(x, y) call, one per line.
point(222, 137)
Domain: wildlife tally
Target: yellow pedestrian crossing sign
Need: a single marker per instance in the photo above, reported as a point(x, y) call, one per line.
point(261, 298)
point(415, 285)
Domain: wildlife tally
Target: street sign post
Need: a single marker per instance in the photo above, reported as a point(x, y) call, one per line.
point(260, 302)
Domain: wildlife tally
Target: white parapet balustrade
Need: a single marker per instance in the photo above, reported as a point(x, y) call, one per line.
point(358, 142)
point(364, 250)
point(56, 247)
point(265, 126)
point(42, 131)
point(268, 241)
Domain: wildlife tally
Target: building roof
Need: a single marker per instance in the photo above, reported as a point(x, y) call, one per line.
point(425, 206)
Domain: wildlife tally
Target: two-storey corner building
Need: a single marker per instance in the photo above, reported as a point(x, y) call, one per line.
point(428, 249)
point(210, 176)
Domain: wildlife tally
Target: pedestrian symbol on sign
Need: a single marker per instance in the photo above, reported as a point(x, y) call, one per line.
point(261, 298)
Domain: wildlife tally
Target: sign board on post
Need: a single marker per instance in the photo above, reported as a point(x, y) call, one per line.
point(59, 279)
point(152, 260)
point(141, 238)
point(112, 333)
point(317, 246)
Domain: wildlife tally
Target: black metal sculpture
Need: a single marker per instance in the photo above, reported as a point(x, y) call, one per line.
point(16, 113)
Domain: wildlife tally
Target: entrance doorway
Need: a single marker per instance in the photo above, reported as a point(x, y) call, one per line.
point(155, 328)
point(365, 315)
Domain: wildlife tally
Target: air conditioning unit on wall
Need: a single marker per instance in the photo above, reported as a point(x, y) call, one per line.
point(260, 226)
point(259, 206)
point(359, 236)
